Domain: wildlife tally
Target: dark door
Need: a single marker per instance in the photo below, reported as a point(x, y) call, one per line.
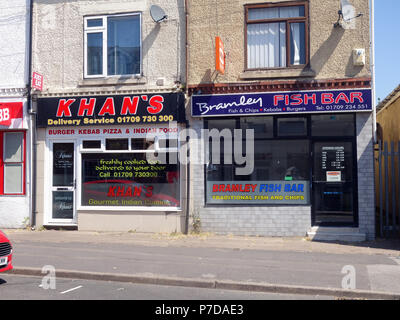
point(334, 184)
point(63, 183)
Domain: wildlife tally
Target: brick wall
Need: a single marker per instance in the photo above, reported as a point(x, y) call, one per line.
point(366, 185)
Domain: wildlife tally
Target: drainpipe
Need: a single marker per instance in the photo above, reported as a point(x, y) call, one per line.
point(186, 45)
point(32, 123)
point(187, 122)
point(374, 133)
point(187, 217)
point(372, 54)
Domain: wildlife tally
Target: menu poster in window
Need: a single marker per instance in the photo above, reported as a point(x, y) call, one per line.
point(332, 160)
point(129, 179)
point(63, 204)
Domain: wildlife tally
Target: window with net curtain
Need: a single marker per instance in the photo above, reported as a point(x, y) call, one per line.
point(276, 37)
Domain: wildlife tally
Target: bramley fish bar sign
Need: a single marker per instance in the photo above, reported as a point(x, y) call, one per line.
point(282, 102)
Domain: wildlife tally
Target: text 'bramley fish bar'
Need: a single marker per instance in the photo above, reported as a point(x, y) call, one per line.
point(291, 102)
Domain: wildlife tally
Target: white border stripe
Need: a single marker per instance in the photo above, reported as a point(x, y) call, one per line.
point(76, 288)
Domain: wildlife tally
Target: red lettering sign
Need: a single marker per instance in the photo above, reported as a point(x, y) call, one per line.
point(88, 107)
point(108, 108)
point(327, 98)
point(63, 108)
point(10, 111)
point(156, 104)
point(342, 97)
point(37, 81)
point(129, 105)
point(356, 95)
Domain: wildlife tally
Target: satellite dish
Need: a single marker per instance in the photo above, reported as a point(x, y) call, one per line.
point(157, 13)
point(348, 11)
point(347, 14)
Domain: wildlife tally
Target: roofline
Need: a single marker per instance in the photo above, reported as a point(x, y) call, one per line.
point(388, 100)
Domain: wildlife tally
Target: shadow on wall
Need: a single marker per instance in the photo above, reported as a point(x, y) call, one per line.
point(326, 50)
point(209, 77)
point(150, 38)
point(351, 69)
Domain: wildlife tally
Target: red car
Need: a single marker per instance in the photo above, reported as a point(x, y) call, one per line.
point(5, 253)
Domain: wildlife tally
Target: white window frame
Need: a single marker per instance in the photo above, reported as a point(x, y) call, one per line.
point(88, 150)
point(81, 207)
point(48, 183)
point(79, 150)
point(103, 29)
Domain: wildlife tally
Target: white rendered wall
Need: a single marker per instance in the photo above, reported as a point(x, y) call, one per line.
point(13, 43)
point(58, 46)
point(15, 210)
point(14, 36)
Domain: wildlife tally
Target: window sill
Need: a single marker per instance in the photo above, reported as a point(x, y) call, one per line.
point(112, 81)
point(277, 73)
point(90, 209)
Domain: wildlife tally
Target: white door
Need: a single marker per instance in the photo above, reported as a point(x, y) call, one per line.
point(63, 183)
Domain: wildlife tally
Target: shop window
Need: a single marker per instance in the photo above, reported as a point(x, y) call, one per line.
point(332, 125)
point(281, 174)
point(142, 144)
point(12, 163)
point(130, 180)
point(117, 144)
point(273, 160)
point(292, 127)
point(221, 124)
point(91, 144)
point(112, 45)
point(263, 127)
point(276, 35)
point(168, 143)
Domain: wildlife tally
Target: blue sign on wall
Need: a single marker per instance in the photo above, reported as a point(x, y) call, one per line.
point(349, 100)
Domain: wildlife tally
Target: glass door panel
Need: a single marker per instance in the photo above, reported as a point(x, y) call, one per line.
point(63, 182)
point(333, 184)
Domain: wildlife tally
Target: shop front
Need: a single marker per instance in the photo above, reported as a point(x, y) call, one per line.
point(305, 154)
point(110, 162)
point(14, 163)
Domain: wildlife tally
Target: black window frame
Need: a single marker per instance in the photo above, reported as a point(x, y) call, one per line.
point(311, 139)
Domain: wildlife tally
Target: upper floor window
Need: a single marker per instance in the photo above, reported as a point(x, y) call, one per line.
point(276, 35)
point(112, 45)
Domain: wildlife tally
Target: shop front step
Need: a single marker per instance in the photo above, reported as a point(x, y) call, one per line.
point(336, 234)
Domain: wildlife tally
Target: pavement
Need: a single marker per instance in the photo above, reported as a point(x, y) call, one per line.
point(369, 270)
